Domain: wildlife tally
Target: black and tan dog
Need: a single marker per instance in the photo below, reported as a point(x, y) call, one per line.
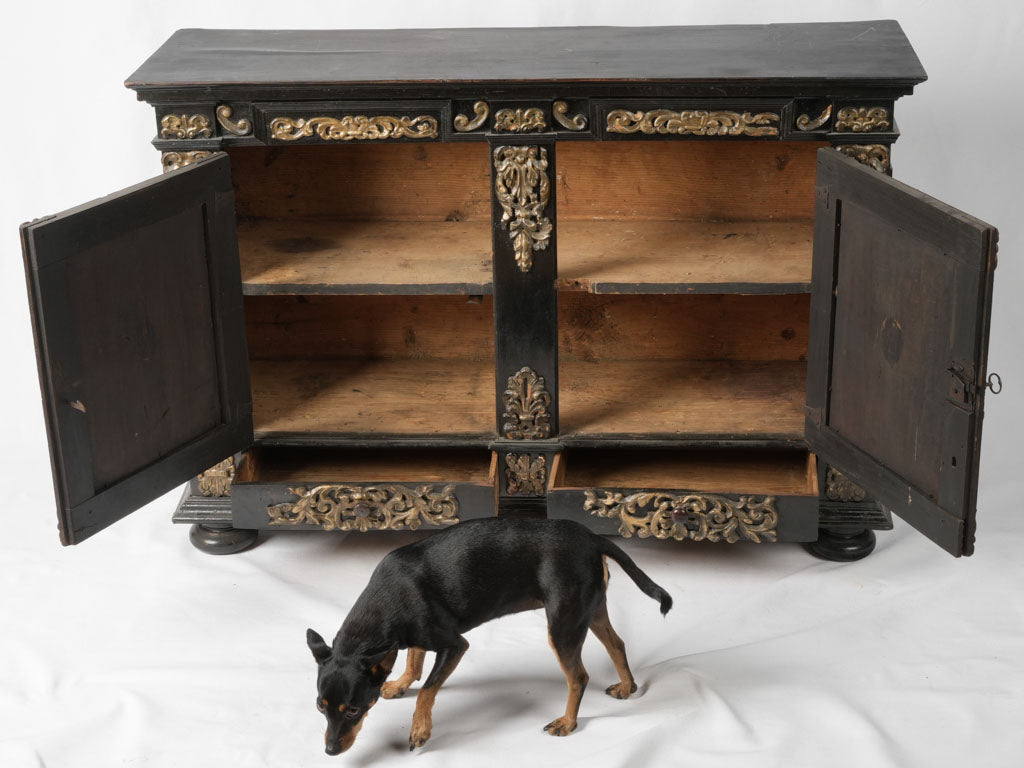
point(423, 596)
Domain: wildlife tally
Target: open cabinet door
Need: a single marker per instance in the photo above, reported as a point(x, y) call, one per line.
point(137, 312)
point(900, 305)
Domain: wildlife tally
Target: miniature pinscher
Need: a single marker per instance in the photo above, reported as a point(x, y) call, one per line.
point(425, 595)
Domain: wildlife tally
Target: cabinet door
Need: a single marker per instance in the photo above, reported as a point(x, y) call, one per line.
point(137, 311)
point(901, 298)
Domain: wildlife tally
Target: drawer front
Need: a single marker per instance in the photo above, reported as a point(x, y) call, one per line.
point(680, 515)
point(358, 506)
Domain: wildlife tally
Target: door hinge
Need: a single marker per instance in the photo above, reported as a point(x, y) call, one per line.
point(963, 388)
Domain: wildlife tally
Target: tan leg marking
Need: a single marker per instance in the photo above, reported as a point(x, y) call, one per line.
point(601, 626)
point(421, 719)
point(577, 678)
point(395, 689)
point(604, 565)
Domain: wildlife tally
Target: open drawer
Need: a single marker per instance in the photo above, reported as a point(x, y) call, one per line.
point(706, 495)
point(362, 489)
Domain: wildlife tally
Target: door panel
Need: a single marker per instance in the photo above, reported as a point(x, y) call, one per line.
point(136, 305)
point(901, 299)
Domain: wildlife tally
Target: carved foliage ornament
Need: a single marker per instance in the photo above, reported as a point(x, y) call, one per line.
point(185, 127)
point(839, 487)
point(352, 127)
point(464, 124)
point(560, 110)
point(694, 122)
point(874, 155)
point(805, 123)
point(519, 120)
point(366, 508)
point(526, 401)
point(237, 127)
point(172, 161)
point(698, 517)
point(523, 189)
point(863, 119)
point(525, 475)
point(216, 481)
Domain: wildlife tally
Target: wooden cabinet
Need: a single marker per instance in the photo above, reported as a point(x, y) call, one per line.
point(655, 280)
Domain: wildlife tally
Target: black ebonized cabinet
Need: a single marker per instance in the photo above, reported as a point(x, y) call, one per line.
point(655, 280)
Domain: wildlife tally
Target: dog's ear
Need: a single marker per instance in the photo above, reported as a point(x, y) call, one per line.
point(321, 651)
point(381, 661)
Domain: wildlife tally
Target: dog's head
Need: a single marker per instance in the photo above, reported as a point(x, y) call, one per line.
point(346, 688)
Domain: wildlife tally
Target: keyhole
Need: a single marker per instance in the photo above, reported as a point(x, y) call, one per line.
point(954, 461)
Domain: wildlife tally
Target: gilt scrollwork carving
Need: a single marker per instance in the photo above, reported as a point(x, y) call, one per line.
point(519, 120)
point(185, 127)
point(560, 110)
point(171, 161)
point(805, 123)
point(523, 189)
point(368, 508)
point(217, 480)
point(873, 155)
point(526, 402)
point(525, 475)
point(838, 487)
point(694, 516)
point(862, 119)
point(464, 124)
point(240, 127)
point(694, 122)
point(354, 127)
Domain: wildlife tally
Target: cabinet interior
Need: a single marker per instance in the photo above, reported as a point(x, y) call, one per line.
point(685, 216)
point(367, 465)
point(371, 365)
point(732, 472)
point(681, 365)
point(389, 218)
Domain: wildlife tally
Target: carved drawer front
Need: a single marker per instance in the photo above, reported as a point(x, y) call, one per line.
point(361, 490)
point(718, 496)
point(347, 122)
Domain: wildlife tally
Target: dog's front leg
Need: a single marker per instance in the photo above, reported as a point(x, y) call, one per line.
point(447, 659)
point(395, 689)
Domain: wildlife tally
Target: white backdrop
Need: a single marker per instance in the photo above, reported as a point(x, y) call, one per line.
point(134, 649)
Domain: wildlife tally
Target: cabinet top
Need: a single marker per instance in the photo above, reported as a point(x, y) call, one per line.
point(873, 52)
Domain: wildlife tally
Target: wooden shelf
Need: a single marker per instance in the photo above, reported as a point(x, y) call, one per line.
point(364, 257)
point(373, 398)
point(770, 257)
point(684, 398)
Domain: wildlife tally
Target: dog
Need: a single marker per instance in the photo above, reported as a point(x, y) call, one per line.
point(425, 595)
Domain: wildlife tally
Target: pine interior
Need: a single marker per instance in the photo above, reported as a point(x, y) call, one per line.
point(685, 212)
point(371, 365)
point(782, 472)
point(401, 214)
point(683, 365)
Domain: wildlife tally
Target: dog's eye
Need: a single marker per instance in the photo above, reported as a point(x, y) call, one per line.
point(321, 704)
point(352, 712)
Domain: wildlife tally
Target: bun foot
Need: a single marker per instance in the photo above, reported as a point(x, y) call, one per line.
point(842, 546)
point(220, 540)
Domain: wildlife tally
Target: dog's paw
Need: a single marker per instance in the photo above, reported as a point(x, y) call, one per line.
point(419, 735)
point(561, 726)
point(394, 689)
point(620, 691)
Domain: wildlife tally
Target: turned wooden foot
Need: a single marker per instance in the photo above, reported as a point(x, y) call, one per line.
point(843, 545)
point(220, 540)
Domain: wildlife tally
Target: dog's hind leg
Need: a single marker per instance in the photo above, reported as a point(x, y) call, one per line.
point(601, 626)
point(395, 689)
point(445, 663)
point(567, 643)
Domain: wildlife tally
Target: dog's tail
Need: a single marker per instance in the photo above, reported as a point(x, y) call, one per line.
point(641, 579)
